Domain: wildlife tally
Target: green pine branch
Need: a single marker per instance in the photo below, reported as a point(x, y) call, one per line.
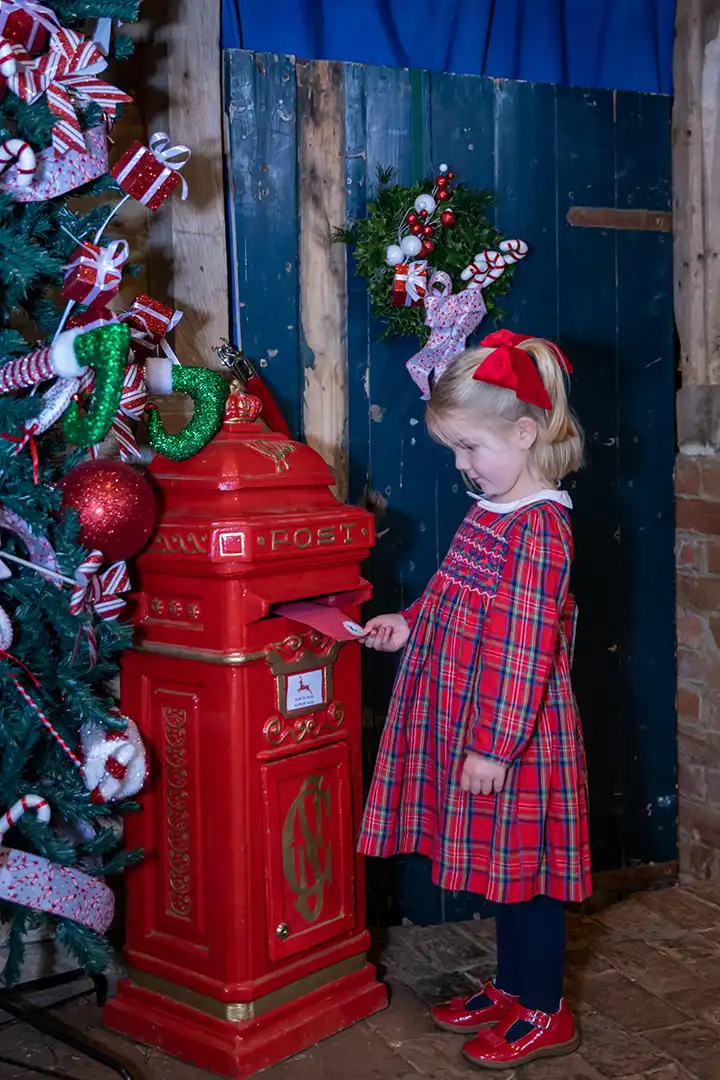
point(48, 640)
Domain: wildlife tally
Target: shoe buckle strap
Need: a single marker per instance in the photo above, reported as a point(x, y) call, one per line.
point(539, 1019)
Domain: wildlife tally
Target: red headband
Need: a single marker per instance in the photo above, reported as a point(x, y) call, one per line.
point(510, 338)
point(511, 368)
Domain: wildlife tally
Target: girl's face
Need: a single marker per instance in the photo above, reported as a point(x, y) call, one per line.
point(496, 458)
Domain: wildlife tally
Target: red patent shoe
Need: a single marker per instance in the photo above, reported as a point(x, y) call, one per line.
point(456, 1015)
point(552, 1035)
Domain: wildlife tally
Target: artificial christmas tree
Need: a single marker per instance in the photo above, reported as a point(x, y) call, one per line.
point(60, 641)
point(70, 763)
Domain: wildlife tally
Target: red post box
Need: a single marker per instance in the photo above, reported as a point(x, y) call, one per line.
point(246, 938)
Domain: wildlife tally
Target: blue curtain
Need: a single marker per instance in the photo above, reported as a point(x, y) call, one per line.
point(615, 44)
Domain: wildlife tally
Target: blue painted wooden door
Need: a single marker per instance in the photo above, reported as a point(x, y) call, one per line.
point(605, 293)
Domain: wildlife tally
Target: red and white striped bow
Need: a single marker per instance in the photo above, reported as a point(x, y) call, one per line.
point(133, 400)
point(98, 592)
point(69, 67)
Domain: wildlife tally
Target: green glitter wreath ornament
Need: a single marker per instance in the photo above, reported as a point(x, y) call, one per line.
point(106, 351)
point(208, 390)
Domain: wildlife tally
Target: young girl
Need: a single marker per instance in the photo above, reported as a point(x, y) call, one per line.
point(481, 765)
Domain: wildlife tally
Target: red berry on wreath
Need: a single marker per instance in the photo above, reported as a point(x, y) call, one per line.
point(441, 181)
point(416, 229)
point(447, 218)
point(451, 176)
point(427, 230)
point(443, 195)
point(423, 213)
point(411, 218)
point(427, 248)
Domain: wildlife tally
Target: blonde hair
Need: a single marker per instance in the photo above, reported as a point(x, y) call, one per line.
point(558, 449)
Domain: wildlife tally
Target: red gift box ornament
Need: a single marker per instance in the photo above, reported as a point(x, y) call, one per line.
point(410, 284)
point(68, 69)
point(27, 23)
point(149, 175)
point(94, 273)
point(150, 322)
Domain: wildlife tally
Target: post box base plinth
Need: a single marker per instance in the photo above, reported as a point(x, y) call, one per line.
point(238, 1050)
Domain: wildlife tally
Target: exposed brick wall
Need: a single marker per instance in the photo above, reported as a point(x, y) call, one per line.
point(697, 484)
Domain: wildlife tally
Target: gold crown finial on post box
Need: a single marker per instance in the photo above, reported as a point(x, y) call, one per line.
point(241, 408)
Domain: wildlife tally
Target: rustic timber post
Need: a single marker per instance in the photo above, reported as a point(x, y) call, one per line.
point(323, 267)
point(177, 71)
point(696, 211)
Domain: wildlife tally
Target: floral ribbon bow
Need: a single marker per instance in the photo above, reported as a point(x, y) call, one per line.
point(69, 67)
point(98, 592)
point(451, 318)
point(133, 400)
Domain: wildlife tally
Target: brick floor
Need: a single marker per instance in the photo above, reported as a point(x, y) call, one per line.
point(644, 980)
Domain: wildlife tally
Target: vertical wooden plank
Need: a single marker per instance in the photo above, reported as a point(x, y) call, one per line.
point(646, 409)
point(190, 262)
point(323, 289)
point(526, 199)
point(587, 325)
point(461, 127)
point(461, 135)
point(260, 110)
point(358, 185)
point(394, 100)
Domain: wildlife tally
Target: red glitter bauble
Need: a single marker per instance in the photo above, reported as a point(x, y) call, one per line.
point(416, 229)
point(447, 217)
point(115, 504)
point(427, 230)
point(411, 218)
point(441, 181)
point(443, 195)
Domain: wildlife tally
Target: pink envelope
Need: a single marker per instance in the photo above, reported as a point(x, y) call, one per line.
point(329, 621)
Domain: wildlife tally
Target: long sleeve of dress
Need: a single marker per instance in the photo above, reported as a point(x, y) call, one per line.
point(410, 614)
point(520, 638)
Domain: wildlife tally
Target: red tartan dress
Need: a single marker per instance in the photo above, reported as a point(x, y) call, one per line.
point(487, 669)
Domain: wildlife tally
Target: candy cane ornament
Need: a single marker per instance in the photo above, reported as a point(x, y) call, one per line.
point(28, 802)
point(490, 265)
point(8, 60)
point(22, 152)
point(57, 359)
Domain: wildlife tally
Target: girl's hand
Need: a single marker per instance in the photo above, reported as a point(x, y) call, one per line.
point(482, 776)
point(386, 633)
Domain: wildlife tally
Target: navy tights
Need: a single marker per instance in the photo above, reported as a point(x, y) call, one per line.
point(531, 951)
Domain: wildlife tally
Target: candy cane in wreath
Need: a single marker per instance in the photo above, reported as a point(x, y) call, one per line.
point(22, 152)
point(488, 266)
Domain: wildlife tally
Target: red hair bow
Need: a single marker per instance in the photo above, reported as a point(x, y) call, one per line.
point(512, 369)
point(511, 339)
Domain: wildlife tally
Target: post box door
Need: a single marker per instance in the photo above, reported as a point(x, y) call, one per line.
point(309, 849)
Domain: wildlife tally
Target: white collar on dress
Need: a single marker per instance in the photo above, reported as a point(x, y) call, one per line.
point(558, 496)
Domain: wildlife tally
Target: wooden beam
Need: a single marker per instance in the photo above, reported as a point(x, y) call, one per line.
point(323, 285)
point(180, 88)
point(608, 217)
